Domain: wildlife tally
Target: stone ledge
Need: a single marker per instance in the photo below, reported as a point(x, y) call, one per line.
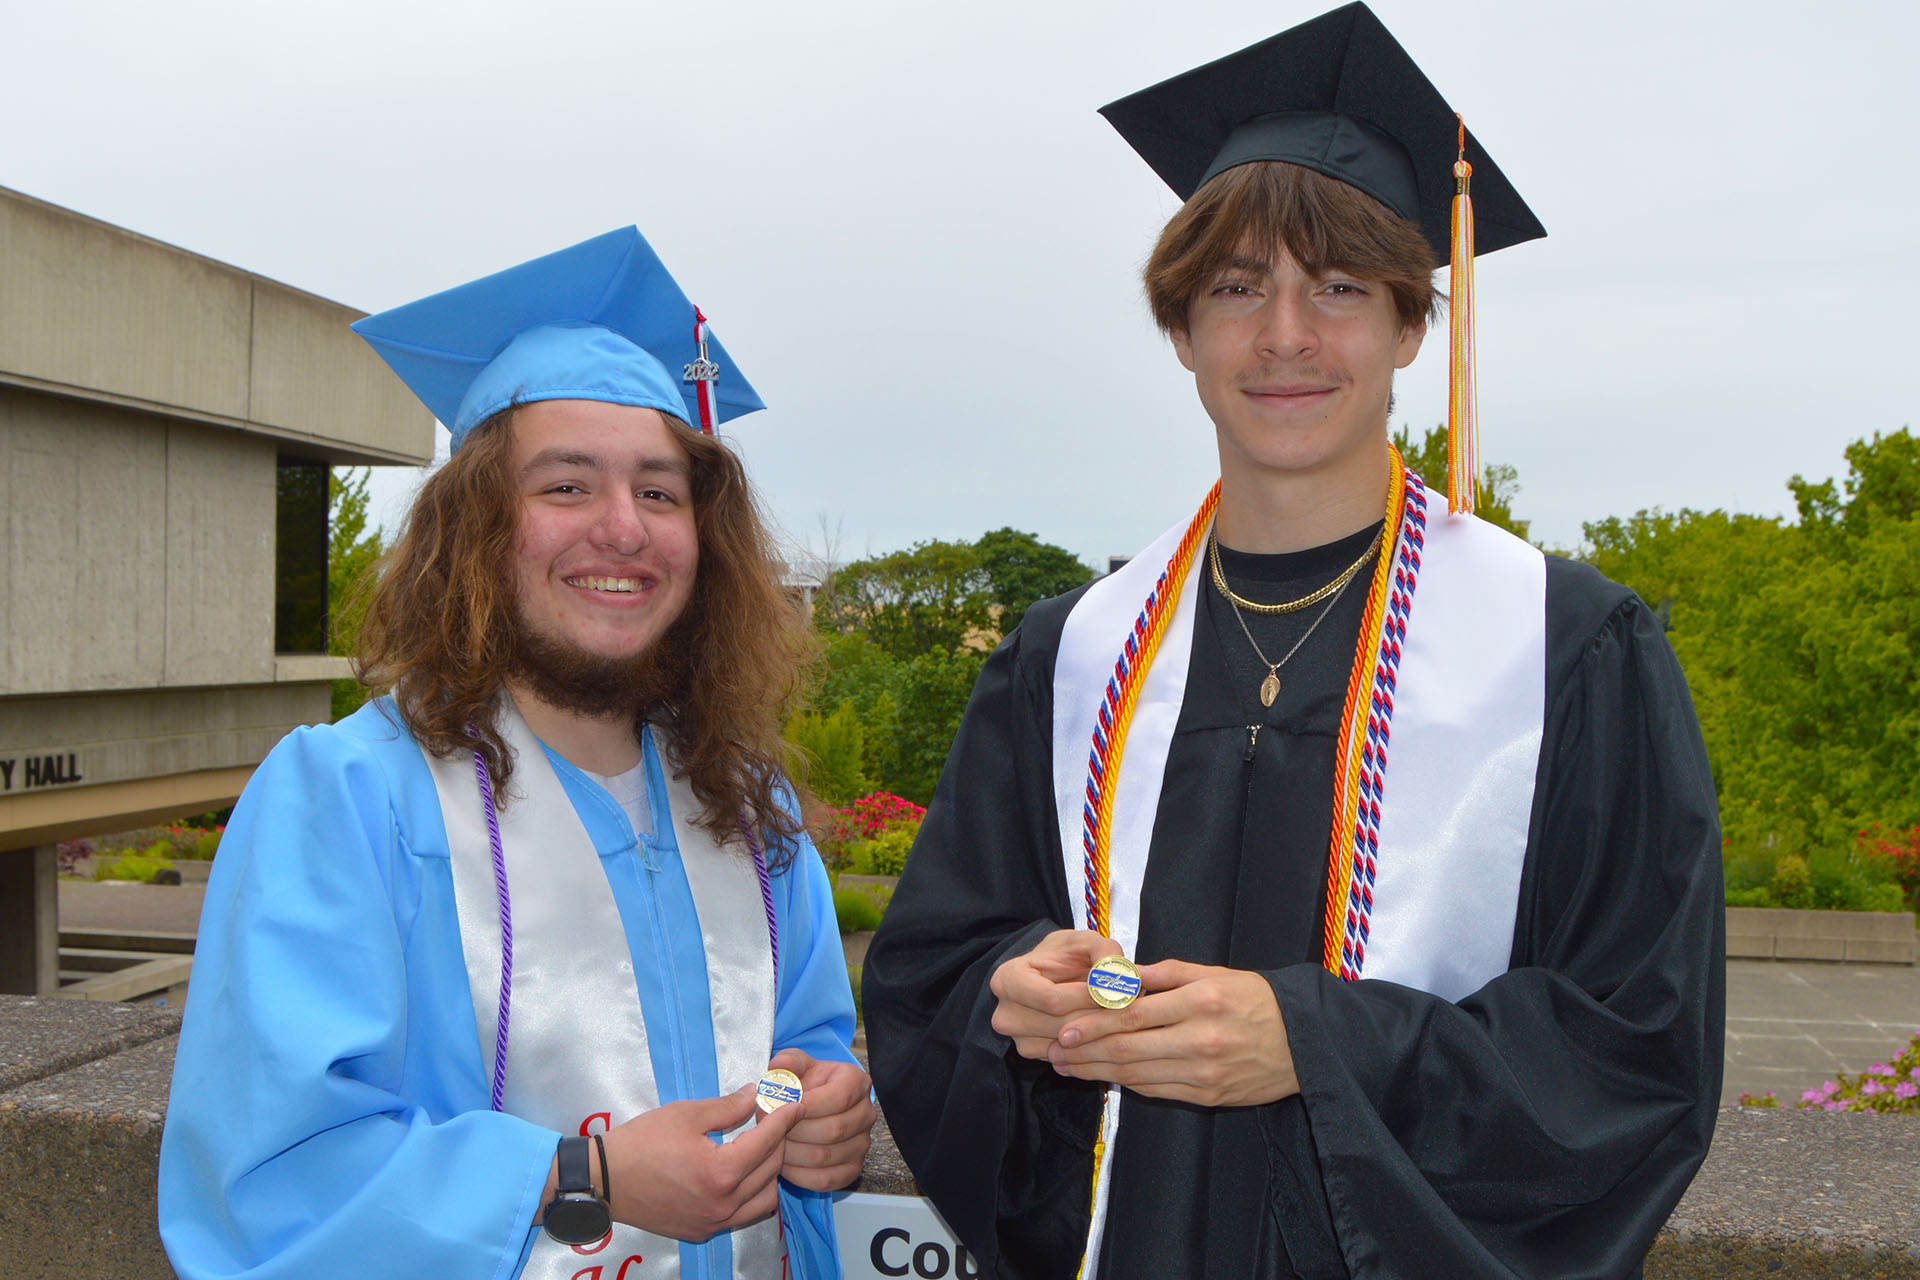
point(1799, 1193)
point(77, 1190)
point(1782, 1193)
point(1776, 933)
point(42, 1036)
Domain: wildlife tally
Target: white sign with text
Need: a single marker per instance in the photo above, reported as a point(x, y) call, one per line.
point(888, 1237)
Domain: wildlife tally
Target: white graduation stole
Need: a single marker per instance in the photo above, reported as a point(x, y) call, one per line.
point(577, 1057)
point(1461, 739)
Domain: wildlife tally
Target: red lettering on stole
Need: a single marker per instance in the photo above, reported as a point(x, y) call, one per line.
point(633, 1261)
point(585, 1250)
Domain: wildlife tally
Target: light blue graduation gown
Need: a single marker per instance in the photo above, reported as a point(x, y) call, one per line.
point(329, 1112)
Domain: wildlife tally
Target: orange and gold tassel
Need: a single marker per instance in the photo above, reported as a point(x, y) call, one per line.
point(1463, 442)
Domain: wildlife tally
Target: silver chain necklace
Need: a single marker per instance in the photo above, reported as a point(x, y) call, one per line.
point(1270, 687)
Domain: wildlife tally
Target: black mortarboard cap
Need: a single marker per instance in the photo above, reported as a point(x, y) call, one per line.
point(1340, 96)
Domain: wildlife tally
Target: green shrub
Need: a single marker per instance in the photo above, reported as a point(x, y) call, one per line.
point(1884, 897)
point(178, 838)
point(884, 854)
point(855, 911)
point(1823, 879)
point(207, 845)
point(142, 867)
point(1792, 884)
point(827, 751)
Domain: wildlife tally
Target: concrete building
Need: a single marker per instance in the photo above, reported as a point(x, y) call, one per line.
point(166, 427)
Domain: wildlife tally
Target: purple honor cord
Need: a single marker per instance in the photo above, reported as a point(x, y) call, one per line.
point(766, 896)
point(506, 929)
point(506, 920)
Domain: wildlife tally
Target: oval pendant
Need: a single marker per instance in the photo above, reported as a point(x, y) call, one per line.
point(1269, 689)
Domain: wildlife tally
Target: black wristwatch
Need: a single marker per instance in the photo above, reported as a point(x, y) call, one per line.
point(578, 1215)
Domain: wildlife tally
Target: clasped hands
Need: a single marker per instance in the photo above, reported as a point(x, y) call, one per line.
point(1198, 1033)
point(669, 1177)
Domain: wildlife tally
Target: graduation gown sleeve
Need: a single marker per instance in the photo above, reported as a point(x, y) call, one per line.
point(1547, 1124)
point(1001, 1144)
point(312, 1124)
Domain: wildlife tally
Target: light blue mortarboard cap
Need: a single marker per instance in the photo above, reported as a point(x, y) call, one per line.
point(600, 321)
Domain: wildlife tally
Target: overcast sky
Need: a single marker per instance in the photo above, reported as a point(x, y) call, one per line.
point(922, 244)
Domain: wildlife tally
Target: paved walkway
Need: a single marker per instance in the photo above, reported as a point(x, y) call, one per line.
point(1790, 1024)
point(108, 906)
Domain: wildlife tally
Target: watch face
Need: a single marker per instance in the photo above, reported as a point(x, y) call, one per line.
point(577, 1219)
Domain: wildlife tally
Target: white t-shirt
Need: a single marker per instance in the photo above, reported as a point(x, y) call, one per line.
point(629, 789)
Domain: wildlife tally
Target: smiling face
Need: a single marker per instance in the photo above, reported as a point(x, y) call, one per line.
point(1295, 367)
point(607, 549)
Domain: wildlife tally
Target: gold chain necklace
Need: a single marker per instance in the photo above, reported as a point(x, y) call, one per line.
point(1270, 687)
point(1287, 606)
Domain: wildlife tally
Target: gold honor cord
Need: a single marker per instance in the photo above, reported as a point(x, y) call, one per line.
point(1354, 714)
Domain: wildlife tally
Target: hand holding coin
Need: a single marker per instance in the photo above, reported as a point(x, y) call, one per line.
point(776, 1089)
point(1039, 991)
point(1114, 982)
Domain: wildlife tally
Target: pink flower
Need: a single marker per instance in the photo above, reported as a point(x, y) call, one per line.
point(1813, 1095)
point(1828, 1089)
point(1833, 1106)
point(1872, 1087)
point(1906, 1089)
point(1879, 1069)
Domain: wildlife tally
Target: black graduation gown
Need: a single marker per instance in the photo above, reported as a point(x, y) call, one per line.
point(1544, 1126)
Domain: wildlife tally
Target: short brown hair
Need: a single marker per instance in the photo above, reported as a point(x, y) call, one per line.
point(440, 624)
point(1324, 223)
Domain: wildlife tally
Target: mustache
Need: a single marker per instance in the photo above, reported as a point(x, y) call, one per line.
point(1285, 373)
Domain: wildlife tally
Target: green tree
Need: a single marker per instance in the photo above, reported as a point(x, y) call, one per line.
point(905, 636)
point(856, 672)
point(1883, 474)
point(829, 748)
point(1499, 482)
point(929, 598)
point(934, 688)
point(1799, 643)
point(1021, 569)
point(354, 546)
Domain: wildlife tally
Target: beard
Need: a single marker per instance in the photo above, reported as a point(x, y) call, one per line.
point(572, 679)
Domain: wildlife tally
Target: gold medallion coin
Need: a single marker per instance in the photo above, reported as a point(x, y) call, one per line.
point(1114, 983)
point(776, 1089)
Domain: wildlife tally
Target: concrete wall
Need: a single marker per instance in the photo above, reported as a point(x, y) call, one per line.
point(74, 766)
point(94, 311)
point(136, 551)
point(146, 395)
point(1774, 933)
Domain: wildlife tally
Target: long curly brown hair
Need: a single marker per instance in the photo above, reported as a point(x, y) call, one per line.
point(440, 624)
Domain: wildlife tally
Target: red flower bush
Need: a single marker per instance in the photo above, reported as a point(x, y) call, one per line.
point(1900, 850)
point(866, 821)
point(871, 816)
